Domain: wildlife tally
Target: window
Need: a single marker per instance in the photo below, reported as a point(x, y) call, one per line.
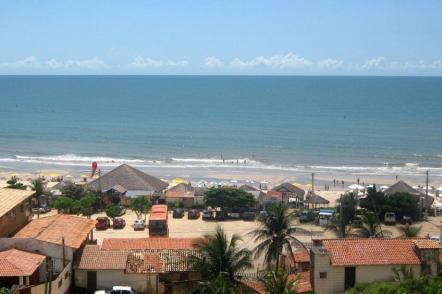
point(323, 275)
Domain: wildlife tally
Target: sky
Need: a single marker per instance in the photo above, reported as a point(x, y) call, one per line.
point(376, 37)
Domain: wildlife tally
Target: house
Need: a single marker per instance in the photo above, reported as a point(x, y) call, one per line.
point(57, 238)
point(402, 187)
point(126, 182)
point(313, 200)
point(182, 192)
point(337, 264)
point(258, 194)
point(299, 261)
point(287, 192)
point(148, 265)
point(15, 210)
point(21, 268)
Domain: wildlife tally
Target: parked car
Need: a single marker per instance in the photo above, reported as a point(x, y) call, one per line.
point(44, 208)
point(103, 223)
point(178, 213)
point(390, 218)
point(139, 224)
point(234, 215)
point(220, 215)
point(119, 223)
point(208, 215)
point(193, 214)
point(263, 215)
point(248, 216)
point(406, 220)
point(117, 290)
point(436, 238)
point(306, 216)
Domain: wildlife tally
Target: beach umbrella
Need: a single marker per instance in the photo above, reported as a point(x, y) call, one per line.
point(83, 176)
point(69, 176)
point(439, 189)
point(370, 186)
point(416, 187)
point(356, 187)
point(360, 194)
point(233, 181)
point(55, 175)
point(164, 180)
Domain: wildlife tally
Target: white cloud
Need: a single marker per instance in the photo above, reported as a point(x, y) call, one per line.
point(32, 62)
point(437, 64)
point(142, 62)
point(213, 62)
point(375, 63)
point(330, 63)
point(289, 60)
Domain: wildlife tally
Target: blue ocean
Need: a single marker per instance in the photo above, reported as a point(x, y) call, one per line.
point(273, 123)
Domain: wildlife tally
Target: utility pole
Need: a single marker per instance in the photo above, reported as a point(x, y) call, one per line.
point(50, 275)
point(426, 197)
point(313, 182)
point(64, 252)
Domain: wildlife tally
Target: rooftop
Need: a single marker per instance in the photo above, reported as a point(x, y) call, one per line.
point(129, 178)
point(92, 258)
point(52, 229)
point(147, 243)
point(346, 252)
point(17, 263)
point(10, 198)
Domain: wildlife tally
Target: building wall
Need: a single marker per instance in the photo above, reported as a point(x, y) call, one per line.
point(15, 219)
point(106, 279)
point(334, 283)
point(372, 273)
point(60, 285)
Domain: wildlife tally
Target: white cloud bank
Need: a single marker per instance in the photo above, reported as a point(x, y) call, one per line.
point(142, 62)
point(31, 62)
point(291, 61)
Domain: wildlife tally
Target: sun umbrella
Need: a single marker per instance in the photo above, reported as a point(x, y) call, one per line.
point(55, 175)
point(68, 176)
point(356, 187)
point(439, 189)
point(83, 176)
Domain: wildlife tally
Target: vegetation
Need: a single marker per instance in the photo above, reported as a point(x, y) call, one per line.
point(279, 282)
point(140, 205)
point(64, 204)
point(221, 258)
point(14, 184)
point(86, 204)
point(112, 211)
point(403, 282)
point(229, 199)
point(402, 204)
point(73, 191)
point(38, 186)
point(341, 229)
point(370, 227)
point(274, 234)
point(410, 231)
point(348, 210)
point(4, 290)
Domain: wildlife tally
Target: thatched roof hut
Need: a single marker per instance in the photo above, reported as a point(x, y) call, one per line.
point(315, 199)
point(402, 187)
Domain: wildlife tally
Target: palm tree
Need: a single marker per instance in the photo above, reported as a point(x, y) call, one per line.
point(410, 231)
point(38, 186)
point(219, 257)
point(338, 227)
point(275, 234)
point(370, 227)
point(279, 282)
point(222, 285)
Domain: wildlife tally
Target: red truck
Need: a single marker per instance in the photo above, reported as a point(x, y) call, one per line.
point(158, 221)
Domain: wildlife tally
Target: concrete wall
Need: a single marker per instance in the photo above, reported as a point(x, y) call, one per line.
point(334, 283)
point(372, 273)
point(106, 279)
point(60, 285)
point(15, 219)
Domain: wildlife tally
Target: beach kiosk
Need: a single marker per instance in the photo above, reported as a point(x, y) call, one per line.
point(324, 216)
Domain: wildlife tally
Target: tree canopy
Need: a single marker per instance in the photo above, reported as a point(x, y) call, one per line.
point(230, 199)
point(113, 211)
point(140, 205)
point(14, 184)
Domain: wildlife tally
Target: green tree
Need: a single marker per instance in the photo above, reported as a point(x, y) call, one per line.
point(112, 211)
point(140, 205)
point(410, 231)
point(14, 184)
point(338, 227)
point(279, 282)
point(274, 234)
point(374, 202)
point(348, 210)
point(4, 290)
point(229, 198)
point(73, 191)
point(65, 204)
point(87, 203)
point(220, 257)
point(38, 186)
point(402, 204)
point(370, 227)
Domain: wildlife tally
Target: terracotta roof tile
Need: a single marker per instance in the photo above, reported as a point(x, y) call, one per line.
point(345, 252)
point(303, 285)
point(144, 262)
point(301, 256)
point(426, 244)
point(10, 198)
point(17, 263)
point(92, 258)
point(52, 229)
point(148, 243)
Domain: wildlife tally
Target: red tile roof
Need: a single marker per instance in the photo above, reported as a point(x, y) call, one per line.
point(52, 229)
point(426, 244)
point(92, 258)
point(17, 263)
point(144, 262)
point(303, 285)
point(301, 256)
point(147, 243)
point(274, 194)
point(345, 252)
